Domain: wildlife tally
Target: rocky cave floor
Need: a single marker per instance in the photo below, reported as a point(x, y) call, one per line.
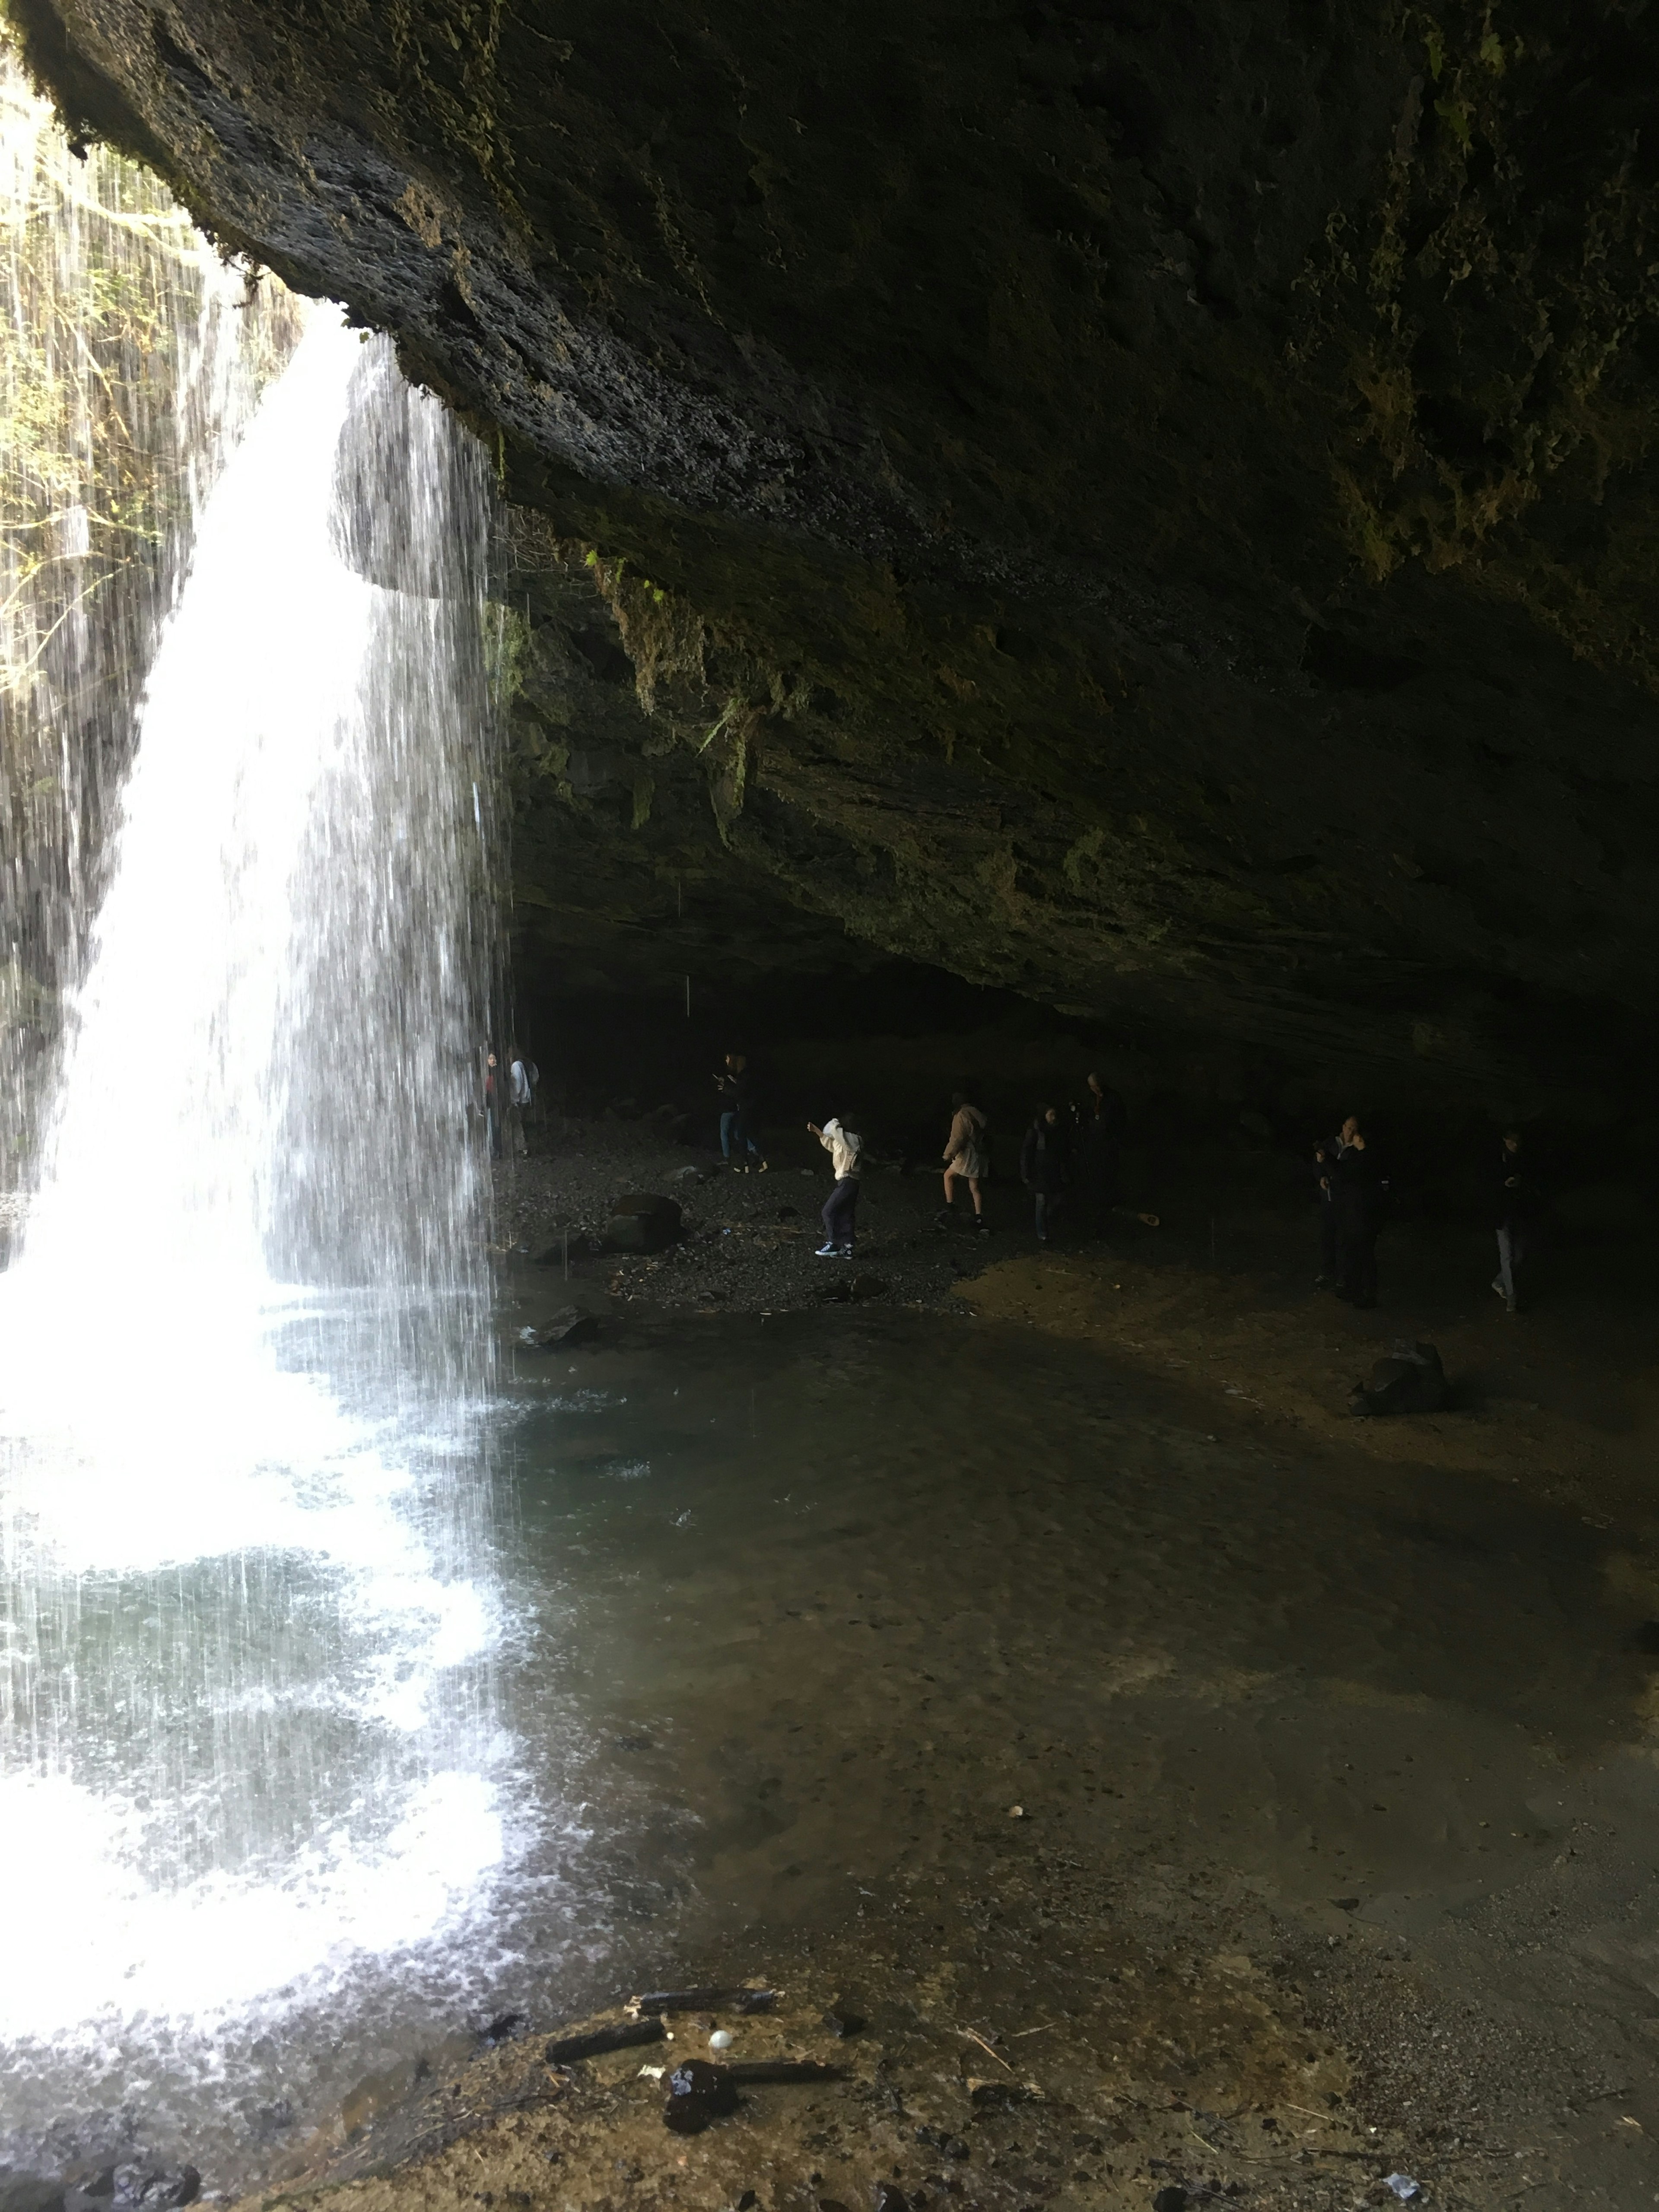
point(1058, 2011)
point(749, 1237)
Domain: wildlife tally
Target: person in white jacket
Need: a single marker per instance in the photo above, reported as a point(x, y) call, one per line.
point(840, 1207)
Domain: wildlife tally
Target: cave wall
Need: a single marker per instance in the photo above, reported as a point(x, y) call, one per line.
point(1150, 507)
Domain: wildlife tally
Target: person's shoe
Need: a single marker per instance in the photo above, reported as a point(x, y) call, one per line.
point(981, 1229)
point(845, 1253)
point(1512, 1305)
point(761, 1168)
point(828, 1252)
point(1497, 1284)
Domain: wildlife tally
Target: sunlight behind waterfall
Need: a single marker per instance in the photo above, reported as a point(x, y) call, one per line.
point(245, 1691)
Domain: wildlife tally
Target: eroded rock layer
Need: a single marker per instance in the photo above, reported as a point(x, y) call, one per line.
point(1152, 507)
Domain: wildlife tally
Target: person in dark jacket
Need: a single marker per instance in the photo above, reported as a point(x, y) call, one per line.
point(1513, 1204)
point(1327, 1152)
point(1360, 1201)
point(1102, 1125)
point(738, 1115)
point(1045, 1164)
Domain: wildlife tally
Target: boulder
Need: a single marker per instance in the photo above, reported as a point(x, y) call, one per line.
point(643, 1223)
point(1410, 1380)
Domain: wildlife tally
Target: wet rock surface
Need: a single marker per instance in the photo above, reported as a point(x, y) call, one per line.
point(1154, 517)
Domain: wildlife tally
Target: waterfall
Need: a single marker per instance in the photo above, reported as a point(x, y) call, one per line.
point(246, 1729)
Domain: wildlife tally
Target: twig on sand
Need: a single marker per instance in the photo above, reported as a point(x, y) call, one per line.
point(974, 2037)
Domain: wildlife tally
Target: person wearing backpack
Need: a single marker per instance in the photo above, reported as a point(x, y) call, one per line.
point(840, 1207)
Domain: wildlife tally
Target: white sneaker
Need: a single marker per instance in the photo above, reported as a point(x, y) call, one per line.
point(1497, 1284)
point(828, 1252)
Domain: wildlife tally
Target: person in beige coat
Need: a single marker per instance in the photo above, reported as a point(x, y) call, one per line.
point(967, 1157)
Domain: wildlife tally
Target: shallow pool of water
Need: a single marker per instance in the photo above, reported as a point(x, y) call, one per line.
point(800, 1608)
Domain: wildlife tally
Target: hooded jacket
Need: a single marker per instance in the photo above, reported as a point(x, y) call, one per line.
point(844, 1148)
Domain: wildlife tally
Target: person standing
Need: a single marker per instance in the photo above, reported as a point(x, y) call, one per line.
point(1360, 1201)
point(1514, 1208)
point(521, 1077)
point(492, 1102)
point(736, 1089)
point(1327, 1153)
point(965, 1156)
point(1045, 1164)
point(841, 1208)
point(1102, 1124)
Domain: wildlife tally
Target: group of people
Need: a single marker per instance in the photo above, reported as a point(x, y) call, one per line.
point(1077, 1148)
point(1354, 1194)
point(1074, 1152)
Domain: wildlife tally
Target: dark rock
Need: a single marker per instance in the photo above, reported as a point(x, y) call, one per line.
point(844, 2018)
point(999, 2090)
point(570, 1326)
point(854, 1290)
point(566, 2050)
point(1171, 2198)
point(1398, 570)
point(1411, 1380)
point(643, 1223)
point(689, 2116)
point(29, 2192)
point(697, 2077)
point(156, 2189)
point(698, 2094)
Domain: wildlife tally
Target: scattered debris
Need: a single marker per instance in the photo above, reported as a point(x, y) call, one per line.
point(744, 1999)
point(753, 2071)
point(1402, 2185)
point(565, 2050)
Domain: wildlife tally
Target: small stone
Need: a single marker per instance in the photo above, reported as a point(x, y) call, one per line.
point(843, 2018)
point(721, 2039)
point(1016, 1812)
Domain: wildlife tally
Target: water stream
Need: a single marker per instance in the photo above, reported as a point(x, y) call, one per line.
point(247, 1621)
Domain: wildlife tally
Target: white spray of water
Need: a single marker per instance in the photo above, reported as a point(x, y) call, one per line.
point(244, 1711)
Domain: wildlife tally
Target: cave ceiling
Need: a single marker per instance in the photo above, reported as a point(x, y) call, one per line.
point(1152, 507)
